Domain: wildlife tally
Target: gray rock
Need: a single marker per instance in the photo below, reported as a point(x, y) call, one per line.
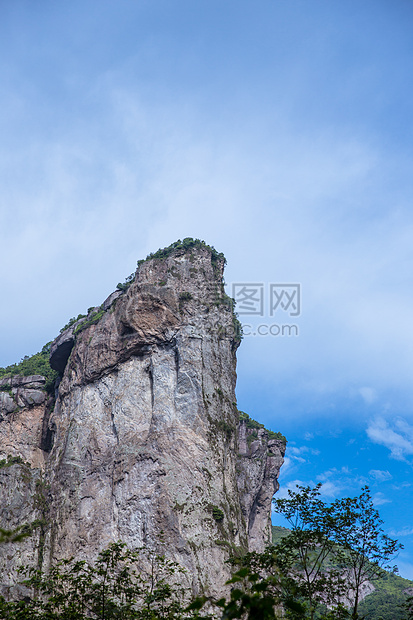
point(27, 397)
point(7, 403)
point(145, 427)
point(109, 300)
point(259, 464)
point(61, 349)
point(32, 381)
point(19, 488)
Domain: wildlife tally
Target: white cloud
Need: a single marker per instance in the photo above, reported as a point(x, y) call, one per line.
point(287, 466)
point(405, 531)
point(331, 489)
point(379, 499)
point(296, 456)
point(403, 485)
point(297, 450)
point(380, 475)
point(399, 441)
point(290, 486)
point(339, 481)
point(284, 197)
point(368, 394)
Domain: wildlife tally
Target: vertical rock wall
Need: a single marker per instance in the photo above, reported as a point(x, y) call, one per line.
point(146, 444)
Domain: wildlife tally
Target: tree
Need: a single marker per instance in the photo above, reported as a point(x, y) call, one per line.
point(332, 550)
point(258, 591)
point(408, 608)
point(309, 556)
point(368, 550)
point(121, 585)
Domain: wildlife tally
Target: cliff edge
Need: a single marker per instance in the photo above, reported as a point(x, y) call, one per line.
point(143, 442)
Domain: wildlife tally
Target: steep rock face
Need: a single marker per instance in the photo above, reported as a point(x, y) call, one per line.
point(259, 463)
point(145, 427)
point(23, 408)
point(20, 505)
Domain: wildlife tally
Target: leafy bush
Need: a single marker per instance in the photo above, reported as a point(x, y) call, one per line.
point(72, 321)
point(253, 424)
point(217, 513)
point(37, 364)
point(91, 320)
point(186, 244)
point(127, 283)
point(11, 460)
point(332, 550)
point(114, 588)
point(276, 435)
point(139, 584)
point(185, 296)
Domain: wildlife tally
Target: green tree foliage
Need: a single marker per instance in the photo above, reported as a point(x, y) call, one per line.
point(262, 591)
point(407, 607)
point(332, 550)
point(72, 321)
point(384, 604)
point(253, 424)
point(9, 536)
point(186, 244)
point(123, 286)
point(368, 549)
point(37, 364)
point(114, 588)
point(309, 556)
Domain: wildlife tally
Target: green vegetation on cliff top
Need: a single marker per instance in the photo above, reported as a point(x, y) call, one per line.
point(37, 364)
point(186, 244)
point(253, 424)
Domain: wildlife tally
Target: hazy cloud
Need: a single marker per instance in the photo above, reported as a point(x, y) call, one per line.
point(405, 531)
point(379, 499)
point(380, 475)
point(290, 486)
point(368, 394)
point(396, 436)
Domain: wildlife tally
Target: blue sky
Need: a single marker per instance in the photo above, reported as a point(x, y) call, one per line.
point(278, 131)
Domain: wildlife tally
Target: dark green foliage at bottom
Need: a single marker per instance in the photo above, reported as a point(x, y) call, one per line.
point(126, 584)
point(12, 460)
point(112, 589)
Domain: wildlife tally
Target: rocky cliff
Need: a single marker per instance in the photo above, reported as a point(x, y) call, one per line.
point(143, 441)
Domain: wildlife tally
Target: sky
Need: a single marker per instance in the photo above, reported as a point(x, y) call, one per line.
point(279, 132)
